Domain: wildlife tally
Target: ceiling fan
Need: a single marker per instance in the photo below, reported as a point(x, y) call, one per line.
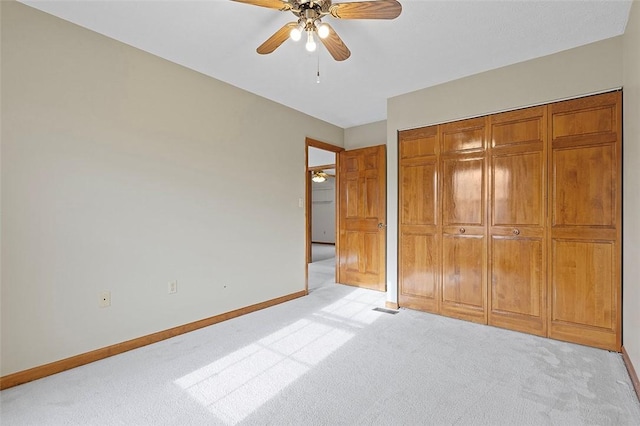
point(310, 14)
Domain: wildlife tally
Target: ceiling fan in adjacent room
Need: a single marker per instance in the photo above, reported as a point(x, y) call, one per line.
point(309, 23)
point(319, 176)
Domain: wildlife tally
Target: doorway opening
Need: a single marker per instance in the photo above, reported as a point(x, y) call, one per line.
point(321, 213)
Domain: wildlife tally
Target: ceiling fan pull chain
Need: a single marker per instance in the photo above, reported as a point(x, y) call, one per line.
point(318, 70)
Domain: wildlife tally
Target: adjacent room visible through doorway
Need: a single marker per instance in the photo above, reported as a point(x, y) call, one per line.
point(321, 213)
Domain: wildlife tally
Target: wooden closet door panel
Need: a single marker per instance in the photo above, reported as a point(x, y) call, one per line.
point(460, 137)
point(517, 275)
point(419, 269)
point(518, 189)
point(517, 194)
point(418, 143)
point(463, 270)
point(418, 255)
point(517, 284)
point(464, 219)
point(418, 198)
point(584, 301)
point(463, 191)
point(584, 186)
point(585, 295)
point(592, 118)
point(585, 221)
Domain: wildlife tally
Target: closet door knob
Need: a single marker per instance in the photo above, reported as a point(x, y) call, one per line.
point(462, 230)
point(516, 231)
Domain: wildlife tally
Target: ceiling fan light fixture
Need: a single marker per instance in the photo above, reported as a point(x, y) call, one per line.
point(295, 34)
point(309, 15)
point(323, 30)
point(319, 176)
point(311, 44)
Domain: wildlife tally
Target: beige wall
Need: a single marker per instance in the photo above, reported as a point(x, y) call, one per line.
point(121, 172)
point(574, 72)
point(631, 193)
point(371, 134)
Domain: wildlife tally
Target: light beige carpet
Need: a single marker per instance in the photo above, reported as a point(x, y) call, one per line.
point(330, 359)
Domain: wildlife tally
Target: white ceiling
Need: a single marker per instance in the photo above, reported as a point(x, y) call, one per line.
point(430, 43)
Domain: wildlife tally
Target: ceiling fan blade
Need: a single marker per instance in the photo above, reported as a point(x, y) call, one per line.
point(335, 45)
point(380, 9)
point(271, 4)
point(279, 37)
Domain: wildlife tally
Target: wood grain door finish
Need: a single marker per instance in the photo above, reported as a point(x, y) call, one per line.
point(419, 229)
point(362, 217)
point(585, 221)
point(463, 292)
point(517, 209)
point(514, 220)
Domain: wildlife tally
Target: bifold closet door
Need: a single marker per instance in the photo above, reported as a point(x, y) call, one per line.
point(585, 221)
point(418, 257)
point(464, 244)
point(515, 219)
point(517, 249)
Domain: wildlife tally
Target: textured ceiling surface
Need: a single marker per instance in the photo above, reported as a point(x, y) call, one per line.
point(430, 43)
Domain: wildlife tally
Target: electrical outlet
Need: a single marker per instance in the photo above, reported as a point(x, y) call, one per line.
point(104, 300)
point(173, 287)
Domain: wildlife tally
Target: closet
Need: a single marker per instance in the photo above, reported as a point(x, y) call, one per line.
point(514, 220)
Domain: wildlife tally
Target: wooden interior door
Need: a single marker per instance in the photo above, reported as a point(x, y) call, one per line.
point(585, 221)
point(517, 249)
point(464, 244)
point(362, 218)
point(419, 248)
